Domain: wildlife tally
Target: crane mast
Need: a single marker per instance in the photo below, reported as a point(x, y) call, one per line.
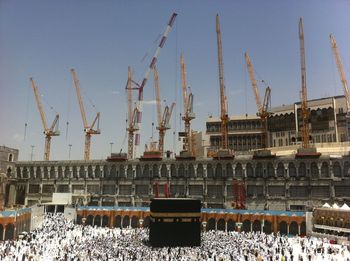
point(163, 122)
point(223, 99)
point(188, 109)
point(89, 130)
point(49, 132)
point(342, 76)
point(262, 108)
point(145, 79)
point(304, 105)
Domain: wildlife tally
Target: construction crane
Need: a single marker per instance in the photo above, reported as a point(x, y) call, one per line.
point(49, 132)
point(145, 79)
point(304, 106)
point(223, 99)
point(132, 117)
point(88, 129)
point(163, 121)
point(262, 107)
point(342, 77)
point(188, 109)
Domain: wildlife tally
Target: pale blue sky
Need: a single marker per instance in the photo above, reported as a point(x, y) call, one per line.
point(44, 39)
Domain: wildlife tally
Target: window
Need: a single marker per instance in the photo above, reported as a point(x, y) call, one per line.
point(10, 157)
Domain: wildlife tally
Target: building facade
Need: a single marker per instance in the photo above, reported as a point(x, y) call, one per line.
point(281, 183)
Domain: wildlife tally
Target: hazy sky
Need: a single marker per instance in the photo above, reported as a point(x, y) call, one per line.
point(44, 39)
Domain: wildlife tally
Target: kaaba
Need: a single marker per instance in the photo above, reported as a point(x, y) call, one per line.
point(175, 222)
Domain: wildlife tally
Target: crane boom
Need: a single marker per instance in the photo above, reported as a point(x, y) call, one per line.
point(304, 105)
point(39, 104)
point(223, 98)
point(254, 84)
point(341, 72)
point(145, 79)
point(49, 132)
point(157, 90)
point(89, 130)
point(184, 83)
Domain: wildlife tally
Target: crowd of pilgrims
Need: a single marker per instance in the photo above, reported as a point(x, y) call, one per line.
point(60, 239)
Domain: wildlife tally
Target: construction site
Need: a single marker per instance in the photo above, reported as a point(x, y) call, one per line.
point(289, 158)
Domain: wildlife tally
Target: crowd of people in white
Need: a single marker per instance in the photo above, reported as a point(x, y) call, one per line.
point(60, 239)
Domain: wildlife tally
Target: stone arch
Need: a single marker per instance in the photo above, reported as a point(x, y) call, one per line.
point(303, 228)
point(117, 221)
point(259, 170)
point(231, 225)
point(105, 171)
point(25, 173)
point(293, 228)
point(97, 172)
point(249, 170)
point(191, 170)
point(218, 171)
point(164, 171)
point(10, 232)
point(146, 221)
point(18, 172)
point(129, 172)
point(66, 172)
point(155, 171)
point(336, 169)
point(134, 222)
point(246, 225)
point(79, 219)
point(229, 170)
point(1, 232)
point(210, 172)
point(121, 173)
point(46, 172)
point(113, 173)
point(346, 169)
point(238, 170)
point(126, 221)
point(10, 157)
point(145, 173)
point(267, 227)
point(221, 224)
point(283, 227)
point(211, 224)
point(256, 225)
point(181, 171)
point(302, 169)
point(90, 172)
point(97, 221)
point(270, 170)
point(292, 170)
point(31, 172)
point(89, 220)
point(200, 170)
point(52, 173)
point(280, 170)
point(60, 173)
point(105, 221)
point(82, 172)
point(324, 170)
point(138, 171)
point(173, 171)
point(314, 170)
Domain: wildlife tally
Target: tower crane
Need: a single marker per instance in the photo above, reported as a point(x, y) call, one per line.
point(187, 108)
point(224, 151)
point(49, 132)
point(262, 107)
point(305, 150)
point(145, 79)
point(88, 129)
point(343, 78)
point(132, 119)
point(304, 106)
point(163, 121)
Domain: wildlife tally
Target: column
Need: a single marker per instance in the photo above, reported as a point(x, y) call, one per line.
point(298, 229)
point(101, 220)
point(4, 233)
point(225, 226)
point(129, 221)
point(251, 226)
point(216, 225)
point(287, 228)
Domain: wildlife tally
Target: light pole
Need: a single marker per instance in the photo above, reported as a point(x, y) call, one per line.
point(31, 154)
point(111, 143)
point(70, 148)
